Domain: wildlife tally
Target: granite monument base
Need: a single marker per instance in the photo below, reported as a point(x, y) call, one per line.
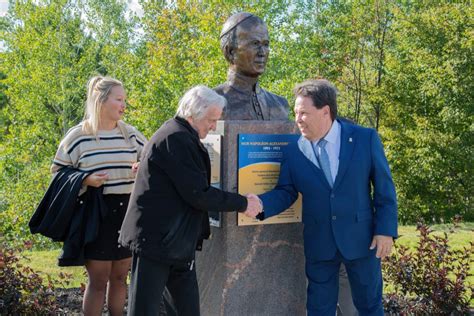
point(251, 270)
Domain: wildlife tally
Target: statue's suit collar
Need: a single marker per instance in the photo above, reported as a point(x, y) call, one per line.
point(242, 83)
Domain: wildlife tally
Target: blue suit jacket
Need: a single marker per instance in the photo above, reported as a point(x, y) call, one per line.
point(361, 204)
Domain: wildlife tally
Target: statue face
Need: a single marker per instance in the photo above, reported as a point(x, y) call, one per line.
point(250, 56)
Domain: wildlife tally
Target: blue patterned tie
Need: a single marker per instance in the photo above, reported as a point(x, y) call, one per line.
point(323, 159)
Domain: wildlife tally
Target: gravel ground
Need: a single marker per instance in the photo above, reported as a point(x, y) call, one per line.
point(70, 302)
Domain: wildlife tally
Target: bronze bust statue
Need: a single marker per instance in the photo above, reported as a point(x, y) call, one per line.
point(245, 44)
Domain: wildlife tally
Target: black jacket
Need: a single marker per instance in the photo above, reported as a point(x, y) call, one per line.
point(64, 216)
point(167, 215)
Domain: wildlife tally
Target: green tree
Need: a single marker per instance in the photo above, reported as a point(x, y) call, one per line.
point(429, 132)
point(116, 49)
point(182, 49)
point(49, 56)
point(404, 68)
point(355, 36)
point(43, 63)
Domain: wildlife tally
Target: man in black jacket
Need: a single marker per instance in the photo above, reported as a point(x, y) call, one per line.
point(167, 219)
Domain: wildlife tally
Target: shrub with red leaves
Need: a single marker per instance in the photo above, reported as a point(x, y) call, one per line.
point(430, 280)
point(22, 290)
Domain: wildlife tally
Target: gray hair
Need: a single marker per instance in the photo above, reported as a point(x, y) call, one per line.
point(197, 100)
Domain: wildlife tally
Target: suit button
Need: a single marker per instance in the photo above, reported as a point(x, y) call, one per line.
point(334, 218)
point(333, 195)
point(121, 203)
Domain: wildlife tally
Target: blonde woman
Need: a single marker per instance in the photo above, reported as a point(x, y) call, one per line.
point(107, 149)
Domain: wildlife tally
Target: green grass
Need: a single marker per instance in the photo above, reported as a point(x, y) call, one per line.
point(46, 261)
point(459, 239)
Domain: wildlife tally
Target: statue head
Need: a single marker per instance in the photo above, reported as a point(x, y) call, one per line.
point(245, 44)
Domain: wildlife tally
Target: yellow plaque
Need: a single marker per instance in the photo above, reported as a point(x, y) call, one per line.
point(259, 168)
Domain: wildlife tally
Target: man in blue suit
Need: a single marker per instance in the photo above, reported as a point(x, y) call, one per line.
point(349, 201)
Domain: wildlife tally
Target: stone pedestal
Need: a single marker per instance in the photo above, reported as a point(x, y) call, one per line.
point(251, 270)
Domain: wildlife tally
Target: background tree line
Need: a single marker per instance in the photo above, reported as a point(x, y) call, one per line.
point(402, 67)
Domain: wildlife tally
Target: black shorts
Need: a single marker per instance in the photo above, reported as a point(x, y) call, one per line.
point(106, 246)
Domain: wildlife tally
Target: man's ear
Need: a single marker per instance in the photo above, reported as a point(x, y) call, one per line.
point(190, 120)
point(327, 110)
point(229, 53)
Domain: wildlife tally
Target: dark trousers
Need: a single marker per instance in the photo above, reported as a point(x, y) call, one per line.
point(345, 305)
point(148, 281)
point(365, 278)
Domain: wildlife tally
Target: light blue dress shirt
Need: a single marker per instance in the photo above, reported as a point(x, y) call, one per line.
point(333, 147)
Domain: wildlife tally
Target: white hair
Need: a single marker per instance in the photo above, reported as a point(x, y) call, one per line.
point(197, 100)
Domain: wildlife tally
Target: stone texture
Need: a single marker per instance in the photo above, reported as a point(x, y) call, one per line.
point(251, 270)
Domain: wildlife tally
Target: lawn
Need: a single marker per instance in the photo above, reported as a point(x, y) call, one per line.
point(46, 261)
point(458, 240)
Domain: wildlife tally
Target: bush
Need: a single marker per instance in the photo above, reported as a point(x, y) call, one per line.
point(20, 197)
point(430, 280)
point(22, 290)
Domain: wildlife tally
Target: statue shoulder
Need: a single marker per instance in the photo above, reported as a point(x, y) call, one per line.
point(222, 89)
point(277, 99)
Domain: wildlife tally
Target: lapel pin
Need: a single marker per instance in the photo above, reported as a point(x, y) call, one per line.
point(350, 139)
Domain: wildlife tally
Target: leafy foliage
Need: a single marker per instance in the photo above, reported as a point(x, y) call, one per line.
point(355, 38)
point(403, 68)
point(431, 280)
point(429, 129)
point(22, 290)
point(48, 60)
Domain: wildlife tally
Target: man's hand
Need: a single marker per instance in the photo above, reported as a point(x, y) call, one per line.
point(96, 179)
point(254, 205)
point(384, 245)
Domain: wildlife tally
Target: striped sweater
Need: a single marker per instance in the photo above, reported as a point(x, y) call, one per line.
point(111, 153)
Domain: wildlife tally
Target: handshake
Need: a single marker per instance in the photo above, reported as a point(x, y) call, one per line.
point(254, 205)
